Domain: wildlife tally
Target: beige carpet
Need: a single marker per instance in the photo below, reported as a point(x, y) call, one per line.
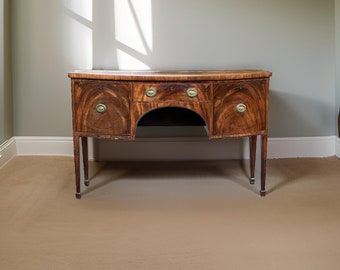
point(199, 215)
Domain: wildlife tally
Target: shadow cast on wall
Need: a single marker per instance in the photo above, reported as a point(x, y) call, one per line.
point(287, 110)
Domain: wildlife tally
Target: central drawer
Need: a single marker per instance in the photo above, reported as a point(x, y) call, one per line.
point(153, 92)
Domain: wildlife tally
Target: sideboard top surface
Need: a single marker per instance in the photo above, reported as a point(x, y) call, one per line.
point(172, 75)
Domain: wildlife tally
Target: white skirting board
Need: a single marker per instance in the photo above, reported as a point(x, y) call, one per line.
point(7, 151)
point(337, 147)
point(176, 149)
point(302, 147)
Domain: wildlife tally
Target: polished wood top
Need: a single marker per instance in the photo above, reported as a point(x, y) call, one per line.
point(171, 75)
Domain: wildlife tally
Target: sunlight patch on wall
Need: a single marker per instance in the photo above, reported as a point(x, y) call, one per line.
point(127, 61)
point(81, 7)
point(78, 36)
point(133, 30)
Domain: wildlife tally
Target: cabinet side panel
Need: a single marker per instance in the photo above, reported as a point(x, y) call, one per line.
point(240, 107)
point(101, 107)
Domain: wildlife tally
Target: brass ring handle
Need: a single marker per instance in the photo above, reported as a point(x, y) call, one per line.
point(241, 108)
point(151, 92)
point(101, 108)
point(192, 92)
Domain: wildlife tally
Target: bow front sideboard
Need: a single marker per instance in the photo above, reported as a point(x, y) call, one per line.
point(111, 104)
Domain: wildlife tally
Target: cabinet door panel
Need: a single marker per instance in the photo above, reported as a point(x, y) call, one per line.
point(101, 107)
point(240, 107)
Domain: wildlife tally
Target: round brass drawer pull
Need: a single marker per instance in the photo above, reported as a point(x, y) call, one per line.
point(241, 108)
point(101, 108)
point(151, 92)
point(192, 92)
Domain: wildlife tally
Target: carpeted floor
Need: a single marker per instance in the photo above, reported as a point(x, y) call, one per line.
point(192, 215)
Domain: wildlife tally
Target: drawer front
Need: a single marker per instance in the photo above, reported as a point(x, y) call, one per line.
point(240, 107)
point(101, 107)
point(146, 92)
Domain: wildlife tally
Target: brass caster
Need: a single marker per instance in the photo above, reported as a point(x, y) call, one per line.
point(78, 195)
point(252, 181)
point(262, 193)
point(87, 182)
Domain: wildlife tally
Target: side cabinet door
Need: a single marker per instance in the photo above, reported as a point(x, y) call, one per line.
point(240, 107)
point(101, 107)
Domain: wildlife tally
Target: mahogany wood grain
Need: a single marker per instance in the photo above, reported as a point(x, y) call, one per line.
point(87, 94)
point(172, 92)
point(171, 75)
point(111, 104)
point(227, 120)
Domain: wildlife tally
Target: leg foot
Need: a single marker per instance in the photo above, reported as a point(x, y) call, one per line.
point(78, 195)
point(252, 180)
point(87, 182)
point(262, 193)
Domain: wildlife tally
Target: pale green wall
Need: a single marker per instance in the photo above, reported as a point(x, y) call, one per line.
point(5, 79)
point(293, 38)
point(337, 46)
point(2, 125)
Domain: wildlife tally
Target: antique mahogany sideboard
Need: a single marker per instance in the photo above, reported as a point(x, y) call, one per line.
point(110, 104)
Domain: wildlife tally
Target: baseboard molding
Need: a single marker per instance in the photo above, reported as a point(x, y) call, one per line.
point(7, 151)
point(301, 147)
point(170, 150)
point(337, 147)
point(44, 146)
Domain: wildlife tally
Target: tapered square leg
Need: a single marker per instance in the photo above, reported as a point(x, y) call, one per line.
point(84, 147)
point(263, 164)
point(252, 151)
point(77, 165)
